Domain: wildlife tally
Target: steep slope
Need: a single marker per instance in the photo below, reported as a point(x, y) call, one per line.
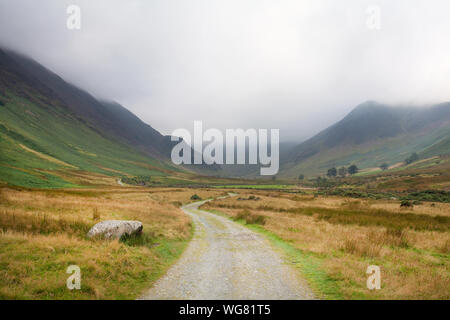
point(370, 135)
point(106, 117)
point(50, 130)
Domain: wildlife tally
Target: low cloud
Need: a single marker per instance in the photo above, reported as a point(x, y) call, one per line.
point(294, 65)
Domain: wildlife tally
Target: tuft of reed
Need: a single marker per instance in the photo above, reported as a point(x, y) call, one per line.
point(250, 218)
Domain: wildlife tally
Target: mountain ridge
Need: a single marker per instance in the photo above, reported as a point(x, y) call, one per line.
point(95, 112)
point(371, 129)
point(43, 117)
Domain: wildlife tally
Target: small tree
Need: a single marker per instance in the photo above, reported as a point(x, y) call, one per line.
point(196, 197)
point(412, 158)
point(301, 177)
point(353, 169)
point(332, 172)
point(342, 171)
point(384, 166)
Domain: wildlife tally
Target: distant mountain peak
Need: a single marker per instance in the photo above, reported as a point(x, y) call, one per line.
point(374, 132)
point(368, 106)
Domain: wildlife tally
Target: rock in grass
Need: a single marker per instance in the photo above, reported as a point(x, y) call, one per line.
point(115, 229)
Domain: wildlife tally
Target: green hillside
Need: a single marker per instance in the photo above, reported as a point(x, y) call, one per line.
point(370, 135)
point(27, 78)
point(53, 134)
point(38, 142)
point(441, 147)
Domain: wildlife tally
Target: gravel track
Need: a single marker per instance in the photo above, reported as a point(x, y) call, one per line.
point(226, 261)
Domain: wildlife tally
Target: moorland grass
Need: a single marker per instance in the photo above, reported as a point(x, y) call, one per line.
point(344, 236)
point(42, 232)
point(368, 217)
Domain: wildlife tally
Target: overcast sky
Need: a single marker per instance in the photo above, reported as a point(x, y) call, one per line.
point(290, 64)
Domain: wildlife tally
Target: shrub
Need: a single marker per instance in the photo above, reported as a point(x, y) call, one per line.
point(412, 158)
point(406, 204)
point(137, 181)
point(430, 195)
point(196, 197)
point(322, 182)
point(249, 198)
point(332, 172)
point(353, 169)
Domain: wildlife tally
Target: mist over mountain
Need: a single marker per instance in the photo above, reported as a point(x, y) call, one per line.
point(297, 66)
point(108, 117)
point(47, 122)
point(371, 134)
point(224, 150)
point(50, 129)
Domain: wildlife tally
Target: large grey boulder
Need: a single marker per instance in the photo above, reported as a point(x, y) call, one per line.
point(114, 229)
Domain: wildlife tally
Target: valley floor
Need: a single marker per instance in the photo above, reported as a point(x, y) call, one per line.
point(227, 261)
point(330, 240)
point(42, 232)
point(335, 239)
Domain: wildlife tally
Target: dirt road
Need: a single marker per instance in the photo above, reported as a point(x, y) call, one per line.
point(225, 260)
